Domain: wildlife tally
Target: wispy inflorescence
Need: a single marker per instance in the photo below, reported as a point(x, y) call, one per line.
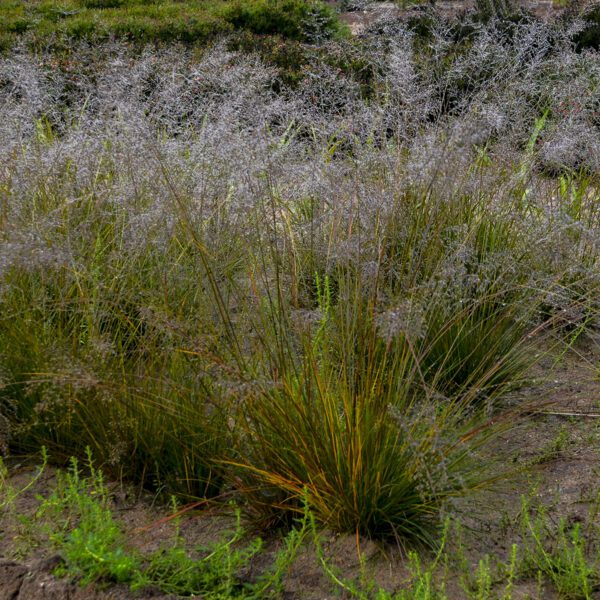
point(196, 250)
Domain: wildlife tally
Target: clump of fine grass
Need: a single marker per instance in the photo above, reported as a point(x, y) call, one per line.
point(95, 363)
point(362, 408)
point(210, 277)
point(198, 363)
point(371, 452)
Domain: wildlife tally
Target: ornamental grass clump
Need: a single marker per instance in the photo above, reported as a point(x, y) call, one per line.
point(352, 427)
point(91, 330)
point(368, 383)
point(225, 284)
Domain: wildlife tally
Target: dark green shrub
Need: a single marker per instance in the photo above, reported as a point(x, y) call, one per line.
point(589, 37)
point(290, 57)
point(102, 3)
point(150, 22)
point(292, 19)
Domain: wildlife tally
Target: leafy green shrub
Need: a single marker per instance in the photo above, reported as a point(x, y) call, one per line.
point(290, 57)
point(293, 19)
point(487, 9)
point(166, 20)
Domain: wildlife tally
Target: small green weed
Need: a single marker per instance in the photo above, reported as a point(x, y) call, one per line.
point(8, 492)
point(552, 449)
point(80, 524)
point(77, 518)
point(560, 556)
point(424, 583)
point(215, 575)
